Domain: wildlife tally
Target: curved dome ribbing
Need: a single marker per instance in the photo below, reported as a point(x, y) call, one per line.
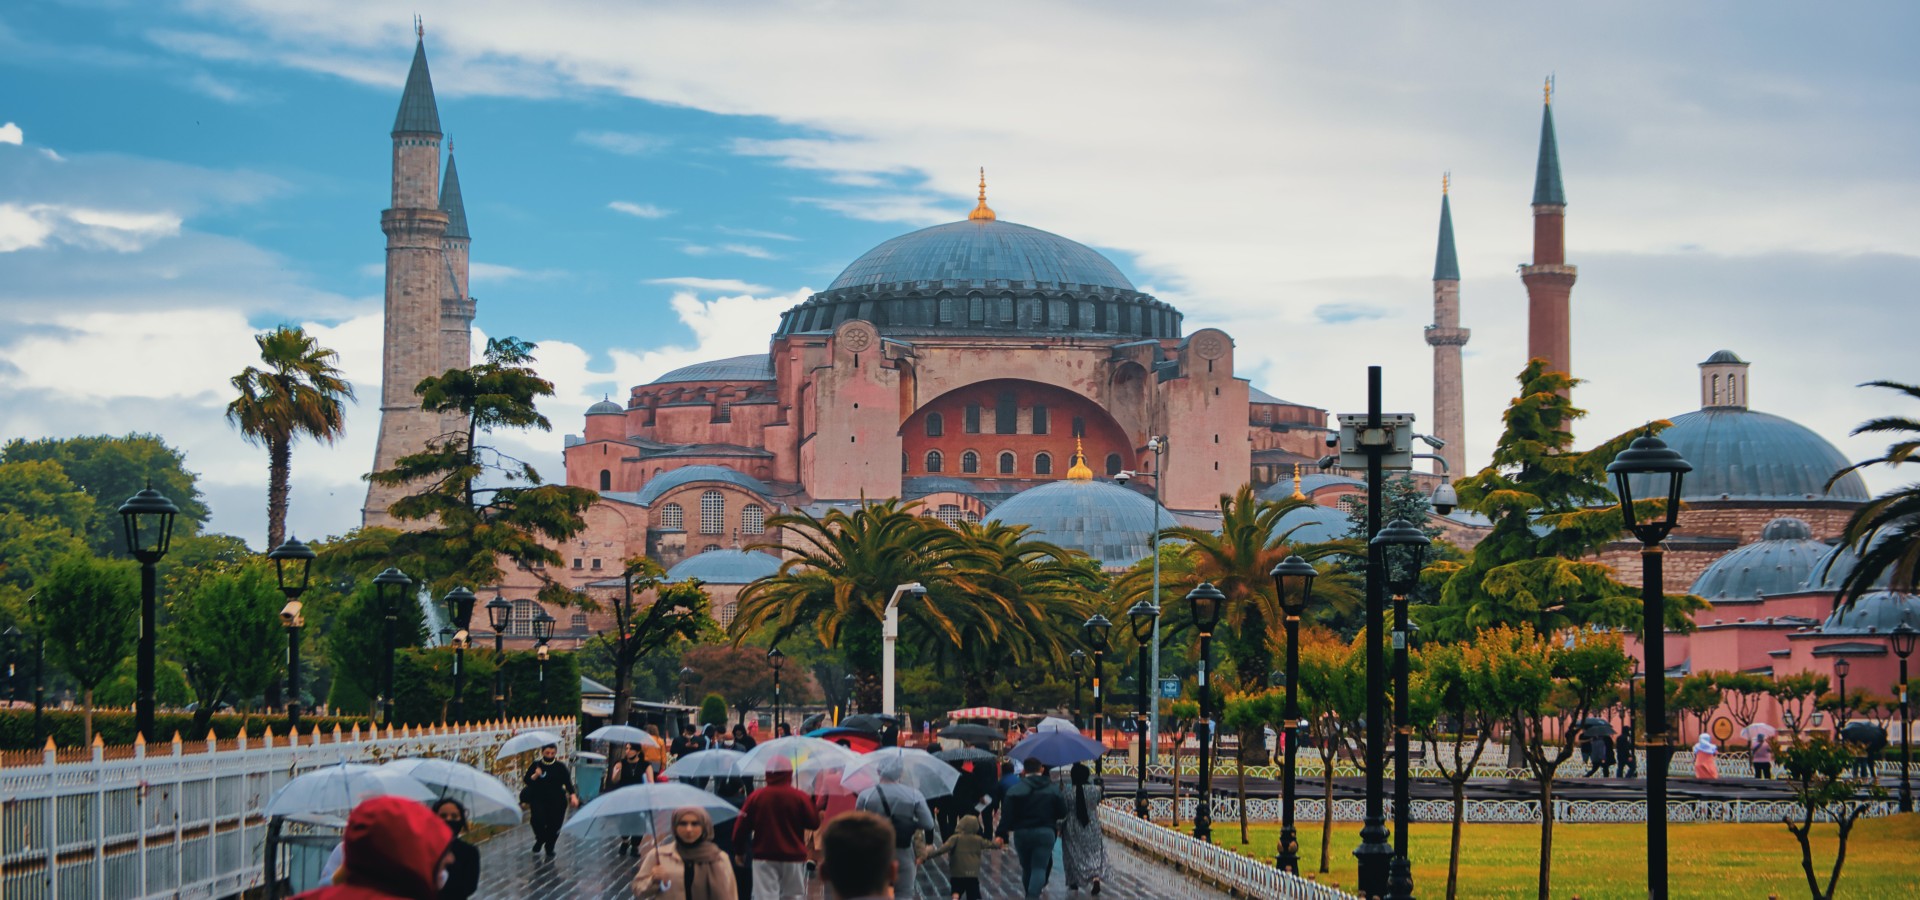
point(1099, 518)
point(1740, 454)
point(974, 250)
point(1877, 613)
point(1780, 563)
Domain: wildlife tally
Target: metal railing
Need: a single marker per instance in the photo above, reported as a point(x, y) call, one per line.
point(1242, 875)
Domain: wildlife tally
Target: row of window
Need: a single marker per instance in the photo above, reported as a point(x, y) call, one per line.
point(1006, 419)
point(1007, 463)
point(713, 516)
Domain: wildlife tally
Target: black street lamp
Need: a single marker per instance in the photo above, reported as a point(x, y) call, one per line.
point(148, 519)
point(778, 660)
point(687, 677)
point(1403, 552)
point(1293, 583)
point(1659, 469)
point(1208, 604)
point(459, 603)
point(1840, 669)
point(389, 588)
point(1098, 628)
point(1077, 662)
point(1143, 616)
point(11, 641)
point(542, 634)
point(292, 566)
point(1904, 636)
point(499, 613)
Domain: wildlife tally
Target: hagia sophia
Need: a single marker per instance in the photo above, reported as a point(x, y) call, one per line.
point(990, 370)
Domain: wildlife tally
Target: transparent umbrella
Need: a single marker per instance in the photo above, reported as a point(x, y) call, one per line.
point(643, 809)
point(1055, 723)
point(622, 734)
point(335, 790)
point(707, 764)
point(531, 740)
point(915, 768)
point(805, 756)
point(488, 800)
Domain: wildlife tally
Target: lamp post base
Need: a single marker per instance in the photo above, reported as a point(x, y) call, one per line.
point(1288, 857)
point(1375, 856)
point(1400, 879)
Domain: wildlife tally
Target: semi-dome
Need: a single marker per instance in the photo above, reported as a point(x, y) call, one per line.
point(659, 485)
point(981, 250)
point(1877, 613)
point(1741, 454)
point(1314, 524)
point(725, 567)
point(1830, 571)
point(1781, 562)
point(1108, 522)
point(751, 367)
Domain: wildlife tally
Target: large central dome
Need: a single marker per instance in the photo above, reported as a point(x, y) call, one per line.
point(984, 252)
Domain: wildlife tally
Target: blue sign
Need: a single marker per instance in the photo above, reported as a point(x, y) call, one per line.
point(1170, 688)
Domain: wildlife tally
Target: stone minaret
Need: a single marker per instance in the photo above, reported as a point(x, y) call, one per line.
point(456, 305)
point(1549, 279)
point(417, 275)
point(1447, 337)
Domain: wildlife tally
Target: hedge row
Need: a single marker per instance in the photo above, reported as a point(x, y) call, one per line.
point(67, 727)
point(423, 686)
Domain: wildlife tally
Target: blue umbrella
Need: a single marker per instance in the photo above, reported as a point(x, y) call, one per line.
point(1057, 748)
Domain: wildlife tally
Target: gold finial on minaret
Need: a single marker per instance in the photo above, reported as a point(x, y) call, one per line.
point(1297, 494)
point(1549, 91)
point(419, 28)
point(982, 213)
point(1446, 181)
point(1078, 471)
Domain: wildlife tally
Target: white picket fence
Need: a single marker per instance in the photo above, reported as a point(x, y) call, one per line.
point(184, 822)
point(1242, 875)
point(1226, 809)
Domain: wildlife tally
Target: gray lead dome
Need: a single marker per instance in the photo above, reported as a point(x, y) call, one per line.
point(1781, 562)
point(1099, 518)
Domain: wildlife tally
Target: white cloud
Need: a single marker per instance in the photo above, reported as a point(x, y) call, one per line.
point(640, 210)
point(23, 227)
point(11, 134)
point(747, 250)
point(622, 142)
point(755, 233)
point(734, 285)
point(916, 210)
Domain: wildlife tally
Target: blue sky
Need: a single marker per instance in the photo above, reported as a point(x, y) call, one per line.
point(649, 184)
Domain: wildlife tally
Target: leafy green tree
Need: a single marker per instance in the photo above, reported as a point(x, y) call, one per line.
point(713, 711)
point(1454, 703)
point(1247, 714)
point(1544, 578)
point(299, 392)
point(111, 469)
point(676, 616)
point(43, 519)
point(742, 675)
point(1333, 699)
point(355, 645)
point(1742, 692)
point(479, 505)
point(91, 613)
point(1796, 694)
point(1888, 526)
point(225, 632)
point(1697, 695)
point(1817, 769)
point(170, 690)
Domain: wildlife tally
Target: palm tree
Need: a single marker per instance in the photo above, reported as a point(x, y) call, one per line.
point(1886, 531)
point(1023, 604)
point(298, 392)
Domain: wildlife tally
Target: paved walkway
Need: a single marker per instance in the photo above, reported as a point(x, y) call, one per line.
point(590, 870)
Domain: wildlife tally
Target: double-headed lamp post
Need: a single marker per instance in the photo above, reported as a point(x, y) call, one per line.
point(292, 566)
point(1293, 583)
point(1077, 664)
point(1904, 635)
point(1208, 604)
point(1659, 469)
point(1403, 552)
point(1098, 628)
point(1143, 616)
point(543, 623)
point(148, 519)
point(778, 660)
point(389, 588)
point(499, 615)
point(1841, 668)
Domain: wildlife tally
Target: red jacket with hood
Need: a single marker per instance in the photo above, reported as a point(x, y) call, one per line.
point(393, 851)
point(775, 820)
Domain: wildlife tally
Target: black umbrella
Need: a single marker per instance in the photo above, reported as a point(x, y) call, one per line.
point(972, 733)
point(966, 754)
point(1597, 727)
point(864, 722)
point(811, 722)
point(1863, 733)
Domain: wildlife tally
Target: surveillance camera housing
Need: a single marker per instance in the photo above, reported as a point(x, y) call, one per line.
point(290, 614)
point(1122, 476)
point(1445, 499)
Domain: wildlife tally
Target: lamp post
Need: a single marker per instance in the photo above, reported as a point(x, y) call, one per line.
point(292, 566)
point(1143, 616)
point(459, 603)
point(1157, 444)
point(1402, 549)
point(1208, 603)
point(10, 642)
point(1077, 663)
point(388, 588)
point(1098, 628)
point(1661, 468)
point(686, 685)
point(889, 638)
point(1904, 636)
point(39, 669)
point(148, 519)
point(778, 660)
point(499, 614)
point(1840, 669)
point(542, 633)
point(1293, 584)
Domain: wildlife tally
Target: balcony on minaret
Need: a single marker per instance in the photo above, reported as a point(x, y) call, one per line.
point(1570, 271)
point(1438, 336)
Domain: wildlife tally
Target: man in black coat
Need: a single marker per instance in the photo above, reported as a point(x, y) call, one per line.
point(548, 792)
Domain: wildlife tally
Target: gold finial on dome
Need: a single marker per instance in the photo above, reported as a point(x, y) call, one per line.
point(1078, 471)
point(1297, 495)
point(982, 213)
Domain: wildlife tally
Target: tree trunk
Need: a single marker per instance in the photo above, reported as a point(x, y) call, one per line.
point(622, 687)
point(1240, 768)
point(1546, 837)
point(1179, 738)
point(1459, 825)
point(279, 464)
point(1846, 821)
point(87, 698)
point(1326, 809)
point(1803, 834)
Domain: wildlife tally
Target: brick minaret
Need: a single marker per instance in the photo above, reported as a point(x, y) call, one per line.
point(456, 305)
point(1447, 337)
point(1549, 279)
point(417, 275)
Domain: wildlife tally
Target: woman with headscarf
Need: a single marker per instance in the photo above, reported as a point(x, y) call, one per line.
point(1706, 763)
point(462, 875)
point(1084, 849)
point(689, 866)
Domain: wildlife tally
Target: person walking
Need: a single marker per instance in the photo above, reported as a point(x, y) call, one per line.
point(1032, 817)
point(966, 845)
point(1625, 753)
point(1599, 753)
point(1762, 758)
point(905, 808)
point(394, 849)
point(688, 867)
point(854, 858)
point(742, 741)
point(687, 742)
point(773, 828)
point(1082, 845)
point(1706, 764)
point(547, 791)
point(462, 876)
point(656, 752)
point(630, 769)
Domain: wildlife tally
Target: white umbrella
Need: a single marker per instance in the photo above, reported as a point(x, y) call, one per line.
point(488, 800)
point(530, 740)
point(643, 809)
point(335, 790)
point(918, 769)
point(1758, 731)
point(707, 764)
point(622, 734)
point(805, 756)
point(1055, 723)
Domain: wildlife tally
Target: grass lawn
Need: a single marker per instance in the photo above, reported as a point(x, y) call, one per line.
point(1708, 860)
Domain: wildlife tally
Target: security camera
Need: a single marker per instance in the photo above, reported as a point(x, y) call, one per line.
point(1432, 441)
point(543, 653)
point(1330, 461)
point(290, 614)
point(1122, 476)
point(1333, 439)
point(462, 639)
point(1444, 499)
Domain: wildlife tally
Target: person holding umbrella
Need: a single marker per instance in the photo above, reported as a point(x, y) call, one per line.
point(630, 769)
point(1034, 809)
point(395, 849)
point(689, 867)
point(905, 808)
point(548, 791)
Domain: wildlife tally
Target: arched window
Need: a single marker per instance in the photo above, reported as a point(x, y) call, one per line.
point(606, 479)
point(1113, 464)
point(753, 519)
point(1006, 463)
point(936, 425)
point(713, 513)
point(933, 461)
point(1006, 308)
point(673, 518)
point(976, 308)
point(1043, 464)
point(970, 463)
point(948, 513)
point(521, 620)
point(946, 310)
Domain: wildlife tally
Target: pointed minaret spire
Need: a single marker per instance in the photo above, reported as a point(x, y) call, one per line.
point(418, 113)
point(982, 213)
point(1447, 337)
point(450, 202)
point(1547, 189)
point(1549, 279)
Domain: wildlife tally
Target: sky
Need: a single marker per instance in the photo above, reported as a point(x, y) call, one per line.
point(650, 184)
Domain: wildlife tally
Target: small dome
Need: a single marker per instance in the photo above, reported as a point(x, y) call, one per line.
point(1314, 524)
point(1724, 356)
point(921, 485)
point(606, 408)
point(1099, 518)
point(726, 567)
point(1309, 484)
point(752, 367)
point(1781, 562)
point(1740, 454)
point(981, 250)
point(1877, 613)
point(1830, 571)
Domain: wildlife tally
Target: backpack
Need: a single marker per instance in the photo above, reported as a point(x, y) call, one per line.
point(902, 829)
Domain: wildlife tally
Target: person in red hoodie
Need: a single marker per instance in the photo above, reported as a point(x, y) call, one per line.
point(395, 849)
point(773, 825)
